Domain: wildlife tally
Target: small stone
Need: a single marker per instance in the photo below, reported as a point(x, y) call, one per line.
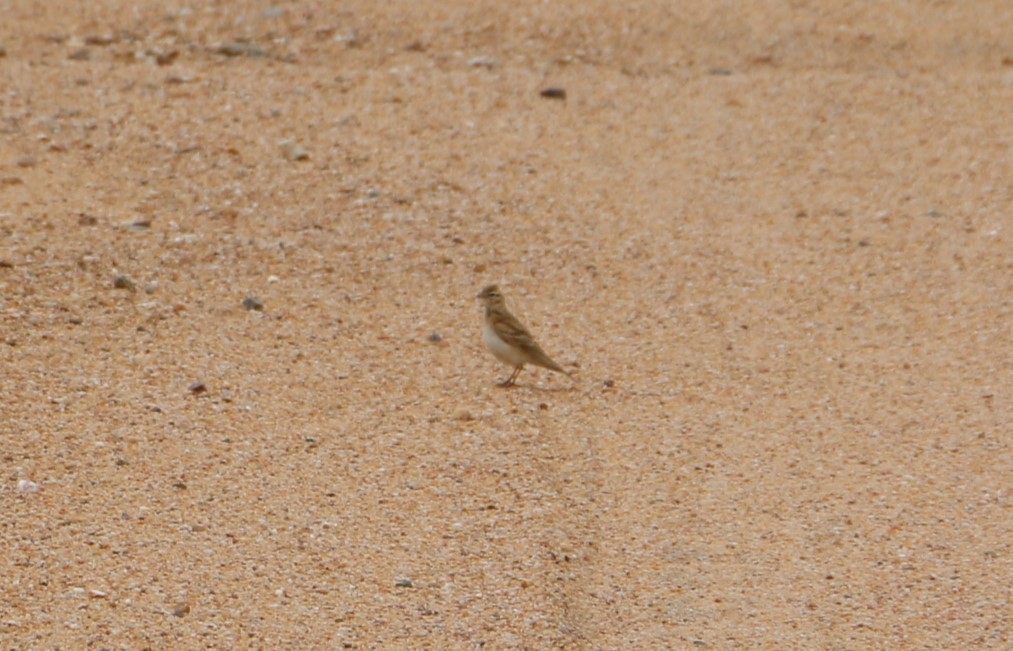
point(483, 62)
point(543, 406)
point(404, 583)
point(251, 303)
point(231, 49)
point(81, 54)
point(27, 487)
point(139, 225)
point(181, 610)
point(75, 320)
point(463, 415)
point(164, 58)
point(27, 161)
point(197, 388)
point(238, 49)
point(292, 151)
point(11, 180)
point(435, 338)
point(553, 93)
point(97, 594)
point(350, 38)
point(98, 39)
point(609, 382)
point(6, 264)
point(123, 282)
point(84, 219)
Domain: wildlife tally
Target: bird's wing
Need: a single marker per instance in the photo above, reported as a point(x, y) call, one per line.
point(513, 332)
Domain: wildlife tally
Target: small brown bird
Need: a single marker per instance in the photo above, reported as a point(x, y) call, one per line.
point(508, 339)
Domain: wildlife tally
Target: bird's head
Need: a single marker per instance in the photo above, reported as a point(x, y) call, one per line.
point(490, 296)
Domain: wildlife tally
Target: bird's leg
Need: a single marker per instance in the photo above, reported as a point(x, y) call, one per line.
point(509, 382)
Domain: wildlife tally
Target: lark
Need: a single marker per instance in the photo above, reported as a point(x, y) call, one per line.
point(509, 340)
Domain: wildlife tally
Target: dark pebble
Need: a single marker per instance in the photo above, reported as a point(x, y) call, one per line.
point(251, 303)
point(197, 388)
point(238, 49)
point(404, 583)
point(553, 93)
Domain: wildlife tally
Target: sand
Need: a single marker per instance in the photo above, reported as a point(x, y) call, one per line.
point(772, 242)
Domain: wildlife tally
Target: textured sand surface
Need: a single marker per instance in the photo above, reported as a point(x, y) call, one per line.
point(774, 243)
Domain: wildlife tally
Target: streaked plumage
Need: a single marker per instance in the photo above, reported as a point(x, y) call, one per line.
point(508, 339)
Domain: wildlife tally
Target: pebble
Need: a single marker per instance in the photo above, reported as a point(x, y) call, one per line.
point(238, 49)
point(197, 388)
point(166, 57)
point(27, 161)
point(27, 487)
point(463, 415)
point(553, 93)
point(123, 282)
point(139, 225)
point(81, 54)
point(610, 383)
point(404, 583)
point(98, 39)
point(483, 62)
point(252, 303)
point(435, 338)
point(292, 151)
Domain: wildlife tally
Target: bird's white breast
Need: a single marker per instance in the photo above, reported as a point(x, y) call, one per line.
point(503, 351)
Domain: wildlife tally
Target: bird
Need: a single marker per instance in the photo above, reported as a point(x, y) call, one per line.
point(507, 338)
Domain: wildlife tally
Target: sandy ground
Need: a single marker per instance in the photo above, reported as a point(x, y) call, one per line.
point(772, 242)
